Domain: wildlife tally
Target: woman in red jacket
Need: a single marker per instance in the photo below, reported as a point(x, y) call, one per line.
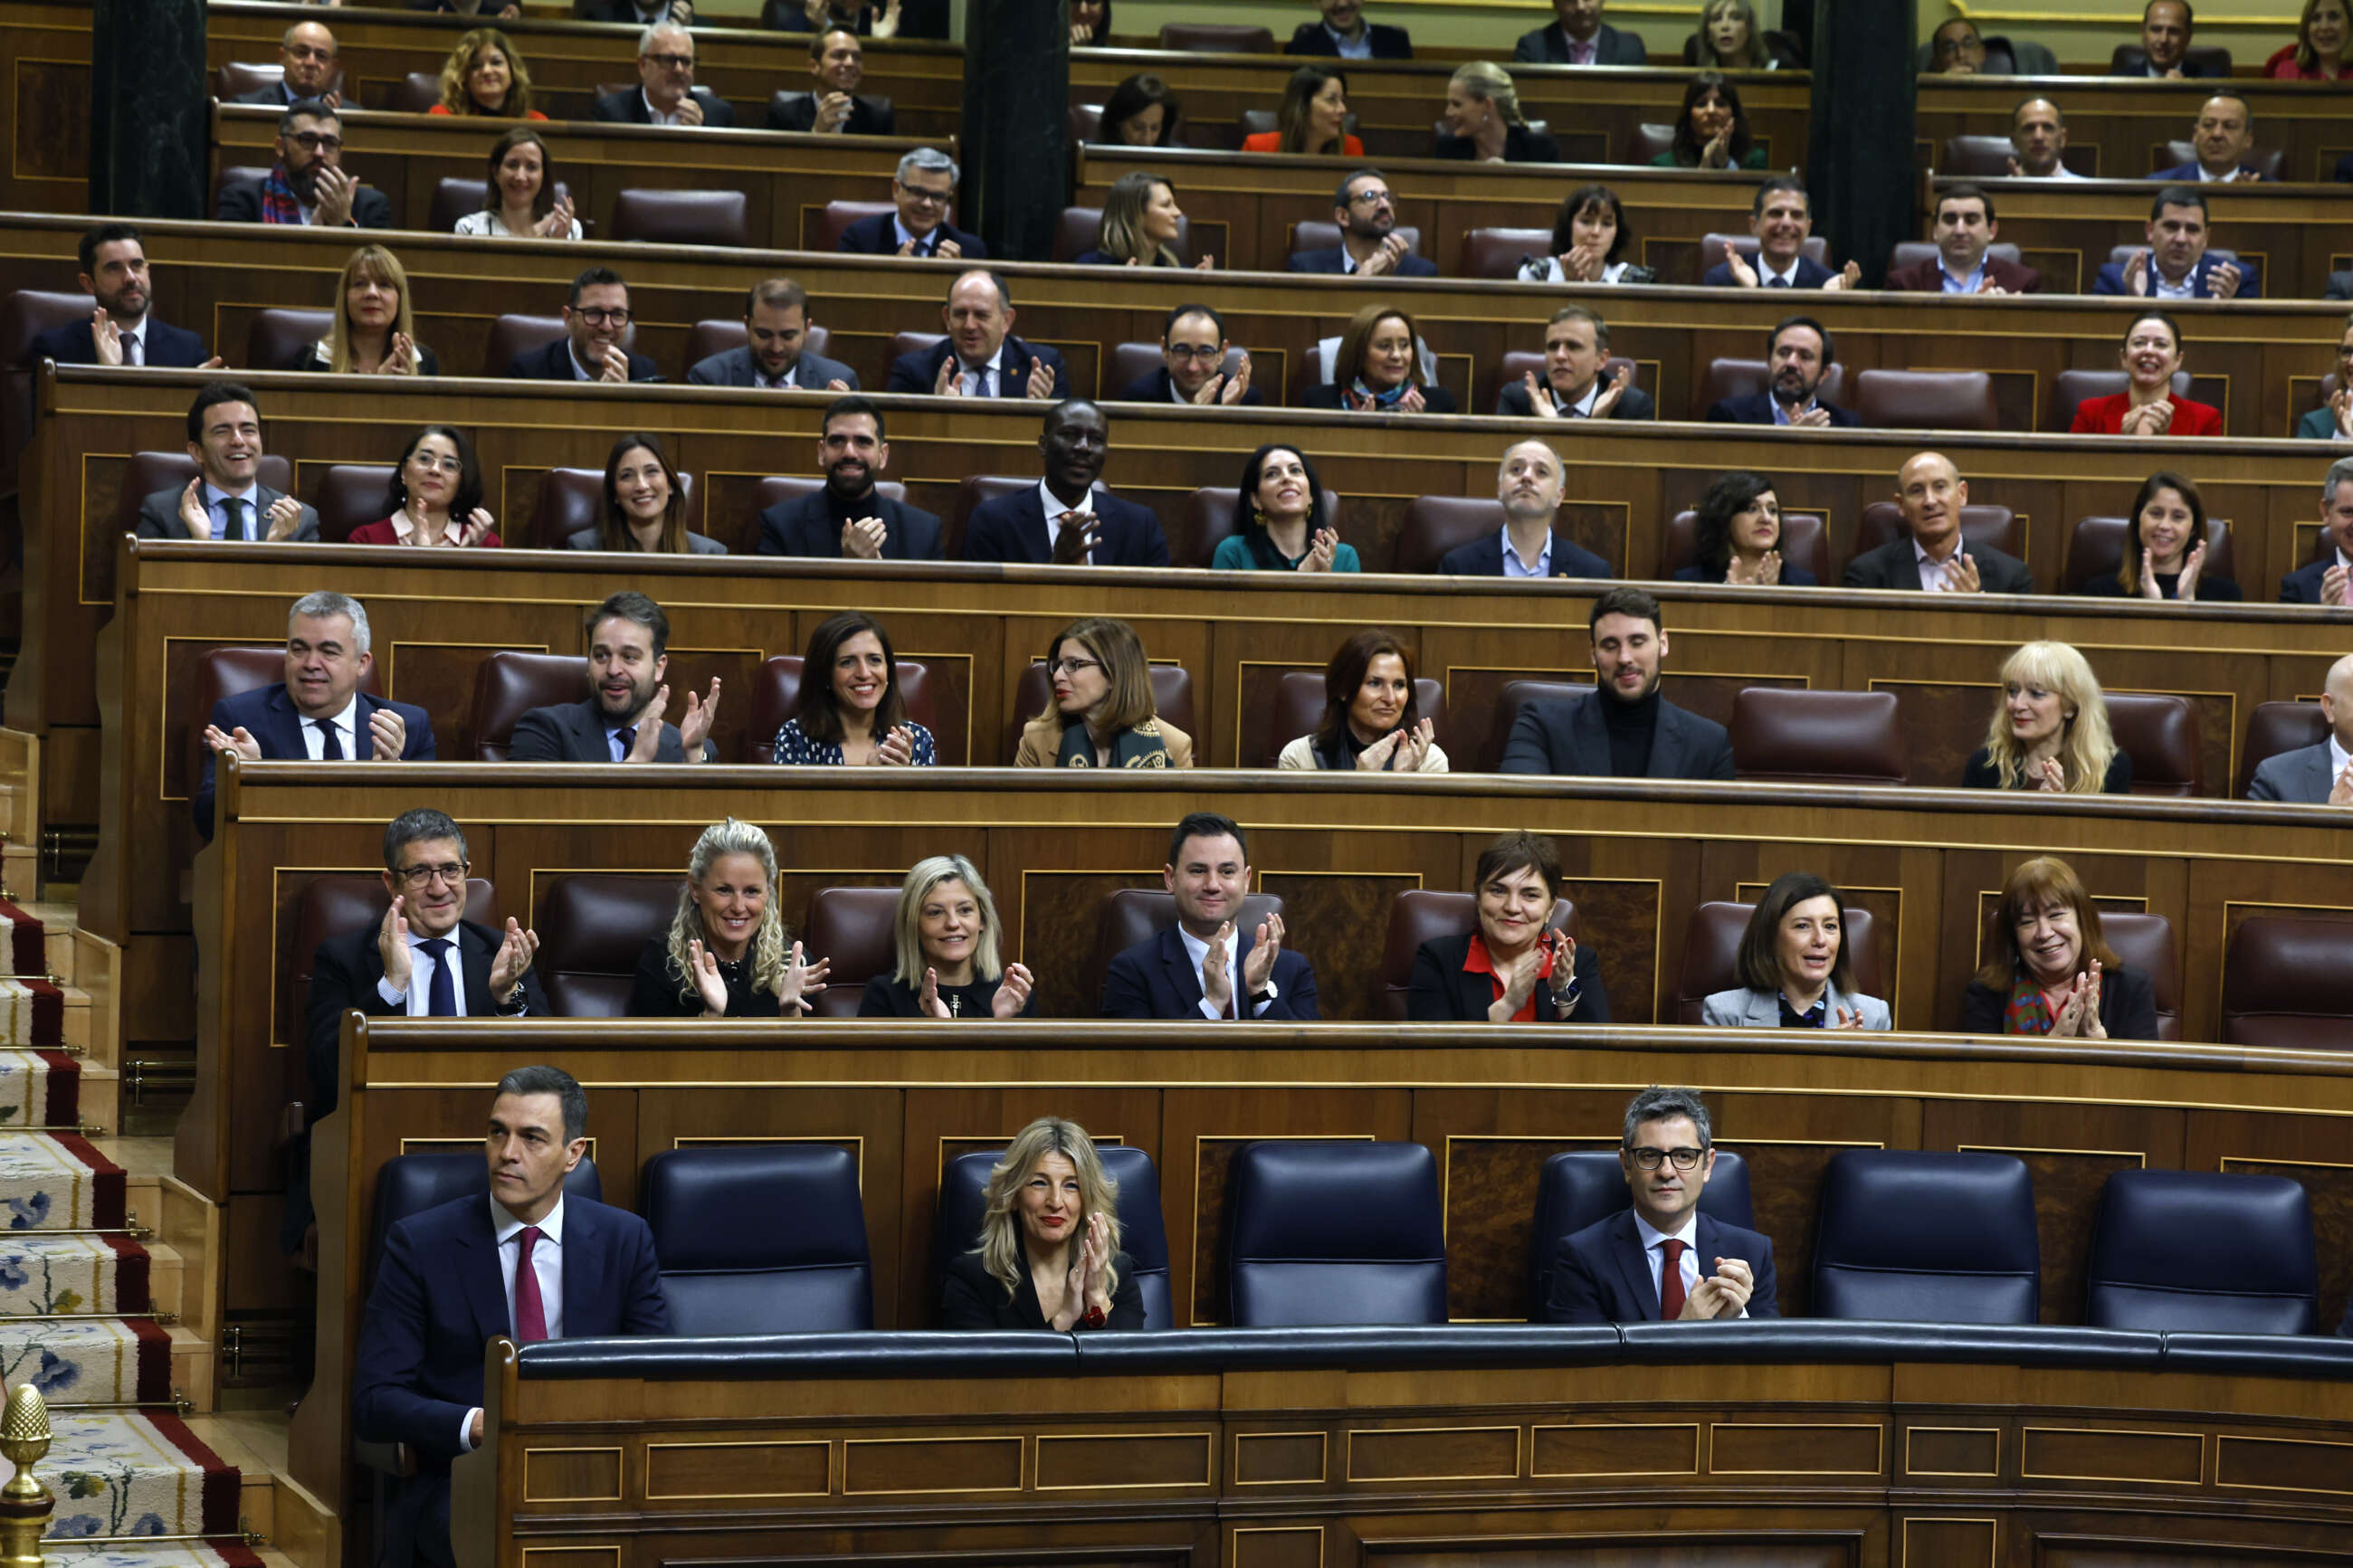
point(2148, 406)
point(1314, 117)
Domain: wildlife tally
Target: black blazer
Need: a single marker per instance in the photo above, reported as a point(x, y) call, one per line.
point(1599, 1274)
point(1893, 566)
point(241, 202)
point(1012, 527)
point(1549, 47)
point(876, 237)
point(270, 95)
point(1483, 557)
point(2302, 586)
point(1388, 43)
point(1757, 409)
point(267, 714)
point(1791, 576)
point(654, 991)
point(868, 116)
point(1978, 773)
point(1158, 388)
point(1513, 403)
point(888, 996)
point(553, 362)
point(919, 372)
point(1442, 992)
point(1154, 979)
point(628, 106)
point(574, 733)
point(1521, 145)
point(1415, 264)
point(1435, 399)
point(2128, 1006)
point(733, 367)
point(1568, 737)
point(971, 1298)
point(804, 527)
point(170, 347)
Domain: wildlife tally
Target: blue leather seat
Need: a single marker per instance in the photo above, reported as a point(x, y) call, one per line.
point(1915, 1238)
point(1584, 1187)
point(2200, 1252)
point(760, 1238)
point(1143, 1236)
point(1335, 1234)
point(411, 1183)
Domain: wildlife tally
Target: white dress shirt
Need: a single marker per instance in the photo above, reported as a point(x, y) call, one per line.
point(1197, 951)
point(2339, 760)
point(419, 995)
point(1765, 273)
point(2158, 287)
point(656, 116)
point(346, 725)
point(547, 1262)
point(1655, 1256)
point(1054, 509)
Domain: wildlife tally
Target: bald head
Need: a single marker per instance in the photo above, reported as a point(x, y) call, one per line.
point(1930, 493)
point(2336, 700)
point(308, 52)
point(1528, 483)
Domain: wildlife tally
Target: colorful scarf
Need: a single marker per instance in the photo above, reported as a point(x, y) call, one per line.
point(1141, 747)
point(2027, 1012)
point(1381, 400)
point(279, 203)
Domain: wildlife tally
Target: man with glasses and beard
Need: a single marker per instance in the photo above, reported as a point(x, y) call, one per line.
point(1369, 247)
point(848, 519)
point(307, 185)
point(595, 345)
point(621, 721)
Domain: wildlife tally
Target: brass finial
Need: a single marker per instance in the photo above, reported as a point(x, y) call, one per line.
point(24, 1503)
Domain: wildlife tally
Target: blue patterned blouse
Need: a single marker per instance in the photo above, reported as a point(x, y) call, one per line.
point(793, 747)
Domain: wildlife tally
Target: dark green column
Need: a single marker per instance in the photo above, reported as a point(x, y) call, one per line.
point(1017, 142)
point(148, 107)
point(1859, 158)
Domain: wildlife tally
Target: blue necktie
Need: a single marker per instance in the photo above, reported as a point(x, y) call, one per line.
point(625, 740)
point(441, 991)
point(1777, 282)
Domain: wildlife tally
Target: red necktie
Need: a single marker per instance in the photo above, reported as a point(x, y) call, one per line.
point(530, 1314)
point(1671, 1281)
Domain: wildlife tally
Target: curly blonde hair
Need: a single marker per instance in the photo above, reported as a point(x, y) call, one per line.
point(1000, 1227)
point(2085, 746)
point(456, 100)
point(771, 944)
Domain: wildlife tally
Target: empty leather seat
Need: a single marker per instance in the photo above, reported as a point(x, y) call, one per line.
point(1143, 1236)
point(2159, 731)
point(2202, 1252)
point(593, 928)
point(682, 217)
point(1910, 1237)
point(1977, 157)
point(1172, 698)
point(512, 334)
point(1335, 1234)
point(2070, 388)
point(1982, 527)
point(1209, 520)
point(1132, 915)
point(856, 930)
point(26, 314)
point(148, 472)
point(570, 499)
point(1747, 377)
point(286, 339)
point(2145, 942)
point(453, 198)
point(352, 495)
point(2095, 548)
point(1497, 253)
point(2288, 982)
point(1711, 961)
point(1419, 915)
point(1644, 144)
point(1299, 706)
point(509, 684)
point(1517, 695)
point(1217, 38)
point(760, 1238)
point(1791, 734)
point(1579, 1187)
point(1086, 123)
point(1925, 400)
point(1805, 542)
point(826, 230)
point(415, 93)
point(2270, 163)
point(1437, 524)
point(776, 697)
point(2278, 727)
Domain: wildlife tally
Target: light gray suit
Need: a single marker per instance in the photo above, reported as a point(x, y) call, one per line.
point(159, 516)
point(1741, 1008)
point(2300, 777)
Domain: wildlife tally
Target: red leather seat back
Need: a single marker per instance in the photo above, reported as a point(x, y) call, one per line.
point(509, 684)
point(856, 930)
point(593, 928)
point(2288, 982)
point(2159, 731)
point(1794, 735)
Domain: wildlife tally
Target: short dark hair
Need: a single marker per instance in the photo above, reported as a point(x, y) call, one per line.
point(469, 475)
point(1563, 222)
point(1181, 311)
point(107, 234)
point(780, 292)
point(2178, 196)
point(557, 1082)
point(213, 394)
point(2154, 314)
point(1624, 602)
point(1963, 191)
point(1730, 495)
point(592, 278)
point(1206, 824)
point(1587, 314)
point(1658, 1104)
point(2236, 97)
point(1340, 196)
point(1519, 850)
point(1778, 183)
point(637, 609)
point(1830, 351)
point(306, 108)
point(818, 38)
point(843, 407)
point(819, 712)
point(1058, 412)
point(420, 826)
point(1758, 963)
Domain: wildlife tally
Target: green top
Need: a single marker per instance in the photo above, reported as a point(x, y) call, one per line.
point(1234, 556)
point(1756, 159)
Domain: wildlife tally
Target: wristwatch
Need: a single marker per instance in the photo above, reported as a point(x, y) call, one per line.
point(1261, 998)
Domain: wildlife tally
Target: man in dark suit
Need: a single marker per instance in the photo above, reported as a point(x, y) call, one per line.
point(1931, 555)
point(2223, 136)
point(2320, 774)
point(1192, 370)
point(318, 714)
point(2175, 265)
point(837, 62)
point(1580, 38)
point(2328, 580)
point(1577, 347)
point(226, 499)
point(980, 357)
point(775, 323)
point(1528, 482)
point(122, 328)
point(1781, 217)
point(1366, 209)
point(1066, 521)
point(2165, 26)
point(306, 54)
point(524, 1260)
point(1661, 1260)
point(621, 721)
point(923, 190)
point(597, 330)
point(1963, 229)
point(1208, 966)
point(848, 519)
point(1344, 34)
point(1798, 354)
point(665, 93)
point(1626, 728)
point(307, 185)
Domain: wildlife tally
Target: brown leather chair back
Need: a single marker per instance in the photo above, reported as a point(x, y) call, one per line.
point(1645, 146)
point(509, 684)
point(335, 904)
point(1209, 519)
point(2095, 548)
point(1172, 699)
point(223, 672)
point(2145, 942)
point(1299, 708)
point(2159, 731)
point(1747, 377)
point(240, 76)
point(1418, 916)
point(825, 234)
point(25, 315)
point(1982, 528)
point(2131, 59)
point(1789, 734)
point(1086, 123)
point(1977, 157)
point(148, 472)
point(1315, 234)
point(2270, 163)
point(418, 92)
point(2070, 387)
point(572, 499)
point(1712, 955)
point(513, 334)
point(1925, 400)
point(1217, 38)
point(682, 217)
point(350, 495)
point(776, 697)
point(1133, 915)
point(1497, 252)
point(904, 344)
point(1517, 695)
point(2278, 727)
point(975, 489)
point(1436, 524)
point(856, 929)
point(285, 340)
point(1711, 249)
point(2287, 982)
point(1805, 542)
point(593, 928)
point(1912, 252)
point(237, 175)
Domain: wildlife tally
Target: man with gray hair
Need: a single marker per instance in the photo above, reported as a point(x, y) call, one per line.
point(318, 714)
point(924, 189)
point(2324, 581)
point(1661, 1260)
point(665, 93)
point(980, 357)
point(1528, 482)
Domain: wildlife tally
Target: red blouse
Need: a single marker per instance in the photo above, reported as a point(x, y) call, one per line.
point(1479, 962)
point(1272, 142)
point(2105, 416)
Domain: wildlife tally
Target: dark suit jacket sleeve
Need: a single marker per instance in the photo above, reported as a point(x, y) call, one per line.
point(1576, 1296)
point(202, 805)
point(2005, 575)
point(1981, 1009)
point(1765, 1299)
point(1530, 47)
point(1430, 994)
point(2129, 1004)
point(1721, 412)
point(1717, 762)
point(1295, 989)
point(1592, 996)
point(2340, 286)
point(1529, 749)
point(1127, 1302)
point(907, 374)
point(370, 208)
point(927, 539)
point(385, 1404)
point(1870, 570)
point(988, 535)
point(536, 738)
point(341, 980)
point(1512, 402)
point(1127, 993)
point(1623, 48)
point(239, 202)
point(638, 1273)
point(419, 745)
point(159, 516)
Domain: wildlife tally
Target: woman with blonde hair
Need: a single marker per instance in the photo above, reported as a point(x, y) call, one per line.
point(1141, 221)
point(1484, 122)
point(949, 942)
point(1314, 117)
point(1048, 1254)
point(2049, 732)
point(727, 953)
point(483, 75)
point(2048, 970)
point(1730, 40)
point(1101, 713)
point(374, 333)
point(2318, 54)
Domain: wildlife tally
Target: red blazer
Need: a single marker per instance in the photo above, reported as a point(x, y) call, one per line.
point(1272, 142)
point(2105, 416)
point(1924, 277)
point(381, 533)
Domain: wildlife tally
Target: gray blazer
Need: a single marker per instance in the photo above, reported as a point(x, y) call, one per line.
point(1741, 1008)
point(2300, 777)
point(696, 543)
point(733, 367)
point(159, 518)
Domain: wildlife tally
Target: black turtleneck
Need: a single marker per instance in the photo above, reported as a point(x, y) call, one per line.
point(1633, 727)
point(844, 510)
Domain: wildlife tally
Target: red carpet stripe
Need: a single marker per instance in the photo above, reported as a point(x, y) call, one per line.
point(153, 1382)
point(221, 1482)
point(106, 1184)
point(28, 947)
point(64, 1089)
point(132, 1288)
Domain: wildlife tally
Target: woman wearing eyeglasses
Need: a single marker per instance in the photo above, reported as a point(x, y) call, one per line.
point(1101, 713)
point(436, 495)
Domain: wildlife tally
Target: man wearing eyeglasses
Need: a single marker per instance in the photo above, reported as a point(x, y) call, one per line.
point(307, 185)
point(1370, 247)
point(597, 327)
point(318, 714)
point(307, 54)
point(1662, 1260)
point(923, 190)
point(1192, 369)
point(665, 93)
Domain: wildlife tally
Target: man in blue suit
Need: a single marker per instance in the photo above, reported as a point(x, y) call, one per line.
point(1208, 966)
point(523, 1260)
point(2223, 136)
point(2176, 266)
point(923, 190)
point(1066, 521)
point(318, 714)
point(1528, 482)
point(980, 357)
point(597, 334)
point(121, 329)
point(1365, 208)
point(1662, 1260)
point(1781, 217)
point(2330, 580)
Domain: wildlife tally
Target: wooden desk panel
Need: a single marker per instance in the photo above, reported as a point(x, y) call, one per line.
point(2127, 120)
